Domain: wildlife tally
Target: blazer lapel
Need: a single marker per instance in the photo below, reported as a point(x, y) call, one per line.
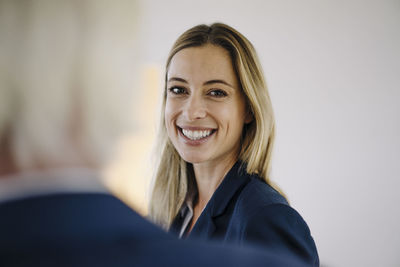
point(235, 179)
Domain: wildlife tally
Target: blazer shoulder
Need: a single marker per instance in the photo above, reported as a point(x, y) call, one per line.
point(258, 194)
point(259, 201)
point(263, 216)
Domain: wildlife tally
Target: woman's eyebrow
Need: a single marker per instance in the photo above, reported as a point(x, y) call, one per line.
point(176, 79)
point(217, 81)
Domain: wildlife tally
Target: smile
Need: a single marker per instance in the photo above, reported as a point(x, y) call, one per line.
point(195, 135)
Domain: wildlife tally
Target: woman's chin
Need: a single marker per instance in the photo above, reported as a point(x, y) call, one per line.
point(194, 159)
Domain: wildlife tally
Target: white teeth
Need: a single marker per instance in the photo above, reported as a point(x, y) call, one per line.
point(196, 135)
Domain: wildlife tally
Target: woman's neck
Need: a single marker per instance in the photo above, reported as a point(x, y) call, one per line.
point(208, 177)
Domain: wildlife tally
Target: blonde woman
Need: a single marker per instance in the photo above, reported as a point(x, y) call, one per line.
point(215, 138)
point(61, 71)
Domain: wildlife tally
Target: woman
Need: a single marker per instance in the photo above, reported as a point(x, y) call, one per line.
point(216, 137)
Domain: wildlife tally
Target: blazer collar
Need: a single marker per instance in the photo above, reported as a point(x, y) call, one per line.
point(234, 180)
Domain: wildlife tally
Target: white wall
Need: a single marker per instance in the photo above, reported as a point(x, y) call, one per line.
point(333, 70)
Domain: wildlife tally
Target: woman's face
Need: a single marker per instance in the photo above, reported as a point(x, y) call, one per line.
point(205, 109)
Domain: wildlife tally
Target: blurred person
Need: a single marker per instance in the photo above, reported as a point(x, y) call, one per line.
point(215, 142)
point(66, 80)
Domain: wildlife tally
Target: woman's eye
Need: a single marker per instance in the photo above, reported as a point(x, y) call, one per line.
point(218, 93)
point(177, 90)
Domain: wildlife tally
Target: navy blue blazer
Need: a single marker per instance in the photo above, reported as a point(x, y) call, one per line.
point(246, 210)
point(96, 229)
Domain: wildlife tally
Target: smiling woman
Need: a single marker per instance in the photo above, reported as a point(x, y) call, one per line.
point(215, 142)
point(205, 110)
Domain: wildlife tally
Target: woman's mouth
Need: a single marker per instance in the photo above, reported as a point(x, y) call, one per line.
point(198, 134)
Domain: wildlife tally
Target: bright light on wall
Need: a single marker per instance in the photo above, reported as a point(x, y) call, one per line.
point(129, 175)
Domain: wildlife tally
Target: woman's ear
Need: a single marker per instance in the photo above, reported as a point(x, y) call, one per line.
point(249, 116)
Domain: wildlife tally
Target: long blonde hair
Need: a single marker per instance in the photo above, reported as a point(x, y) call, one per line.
point(173, 175)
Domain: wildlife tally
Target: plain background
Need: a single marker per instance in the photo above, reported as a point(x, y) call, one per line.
point(333, 72)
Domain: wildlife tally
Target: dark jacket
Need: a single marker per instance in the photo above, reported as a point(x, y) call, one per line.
point(246, 210)
point(96, 229)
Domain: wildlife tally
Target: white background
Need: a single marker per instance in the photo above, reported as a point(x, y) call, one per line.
point(333, 71)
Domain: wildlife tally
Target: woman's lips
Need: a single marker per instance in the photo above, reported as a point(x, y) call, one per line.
point(195, 136)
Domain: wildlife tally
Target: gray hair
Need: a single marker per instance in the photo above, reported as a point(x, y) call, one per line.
point(66, 79)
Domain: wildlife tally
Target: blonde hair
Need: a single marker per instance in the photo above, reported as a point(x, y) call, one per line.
point(173, 175)
point(65, 73)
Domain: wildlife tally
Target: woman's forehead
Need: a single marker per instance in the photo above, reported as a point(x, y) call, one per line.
point(206, 62)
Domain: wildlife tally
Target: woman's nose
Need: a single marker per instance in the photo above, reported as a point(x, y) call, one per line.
point(194, 108)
